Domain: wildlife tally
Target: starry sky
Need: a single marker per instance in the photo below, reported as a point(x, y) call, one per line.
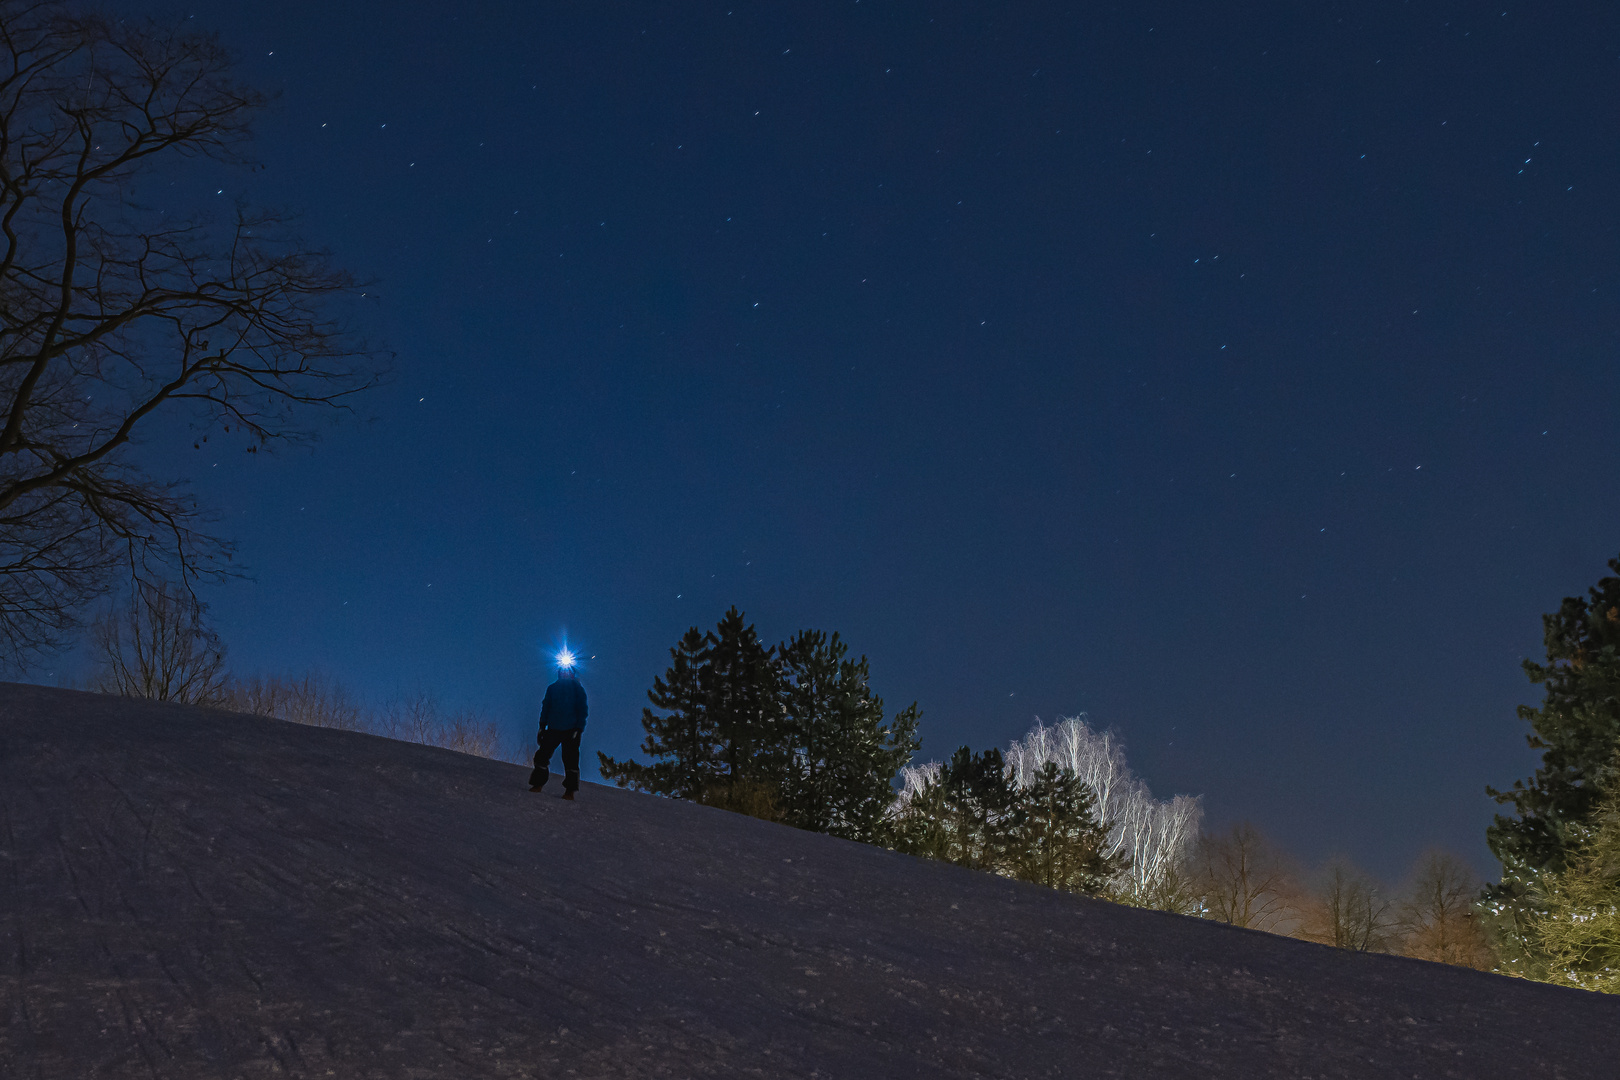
point(1243, 377)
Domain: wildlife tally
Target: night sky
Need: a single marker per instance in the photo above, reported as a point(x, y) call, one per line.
point(1243, 376)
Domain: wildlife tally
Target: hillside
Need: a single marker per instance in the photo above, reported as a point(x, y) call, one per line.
point(191, 893)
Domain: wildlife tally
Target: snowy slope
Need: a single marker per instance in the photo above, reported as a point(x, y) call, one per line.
point(189, 893)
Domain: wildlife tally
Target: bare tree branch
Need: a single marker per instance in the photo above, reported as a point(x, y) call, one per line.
point(115, 316)
point(159, 645)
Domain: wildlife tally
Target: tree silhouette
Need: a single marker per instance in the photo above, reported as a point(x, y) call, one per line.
point(1243, 879)
point(681, 735)
point(1437, 914)
point(741, 691)
point(115, 313)
point(1060, 843)
point(1348, 911)
point(158, 645)
point(841, 755)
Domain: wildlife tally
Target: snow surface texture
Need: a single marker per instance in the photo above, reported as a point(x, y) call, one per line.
point(191, 893)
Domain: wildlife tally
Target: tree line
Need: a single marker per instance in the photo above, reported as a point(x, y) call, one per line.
point(793, 733)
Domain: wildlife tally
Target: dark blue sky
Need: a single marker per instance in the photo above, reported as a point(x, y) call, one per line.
point(1242, 376)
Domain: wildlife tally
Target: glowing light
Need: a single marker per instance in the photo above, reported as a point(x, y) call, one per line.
point(565, 659)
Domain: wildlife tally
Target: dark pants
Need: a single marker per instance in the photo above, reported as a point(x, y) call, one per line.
point(550, 741)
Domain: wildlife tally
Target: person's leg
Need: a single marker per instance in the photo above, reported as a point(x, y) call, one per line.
point(542, 759)
point(570, 756)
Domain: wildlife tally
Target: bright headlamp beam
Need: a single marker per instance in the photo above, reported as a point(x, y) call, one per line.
point(565, 659)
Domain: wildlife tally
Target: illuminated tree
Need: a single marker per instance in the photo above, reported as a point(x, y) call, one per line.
point(1348, 911)
point(118, 314)
point(1579, 933)
point(1576, 729)
point(1149, 839)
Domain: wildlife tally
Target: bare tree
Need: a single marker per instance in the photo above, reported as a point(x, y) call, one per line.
point(158, 645)
point(1244, 880)
point(312, 699)
point(1348, 911)
point(114, 314)
point(1436, 916)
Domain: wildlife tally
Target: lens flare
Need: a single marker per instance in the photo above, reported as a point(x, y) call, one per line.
point(565, 659)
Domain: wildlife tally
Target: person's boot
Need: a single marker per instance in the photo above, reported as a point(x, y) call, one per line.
point(569, 795)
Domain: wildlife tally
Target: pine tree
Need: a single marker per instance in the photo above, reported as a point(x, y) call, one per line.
point(741, 691)
point(920, 824)
point(1576, 728)
point(683, 735)
point(1059, 842)
point(840, 757)
point(790, 734)
point(979, 811)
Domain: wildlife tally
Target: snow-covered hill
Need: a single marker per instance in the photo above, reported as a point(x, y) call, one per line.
point(190, 893)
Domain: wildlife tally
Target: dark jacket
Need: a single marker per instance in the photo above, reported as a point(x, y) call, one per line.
point(564, 708)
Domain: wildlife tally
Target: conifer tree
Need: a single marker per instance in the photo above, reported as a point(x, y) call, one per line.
point(1059, 842)
point(979, 813)
point(837, 772)
point(741, 691)
point(681, 738)
point(1576, 728)
point(791, 733)
point(920, 823)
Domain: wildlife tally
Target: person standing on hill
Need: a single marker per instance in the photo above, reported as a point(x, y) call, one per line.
point(562, 723)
